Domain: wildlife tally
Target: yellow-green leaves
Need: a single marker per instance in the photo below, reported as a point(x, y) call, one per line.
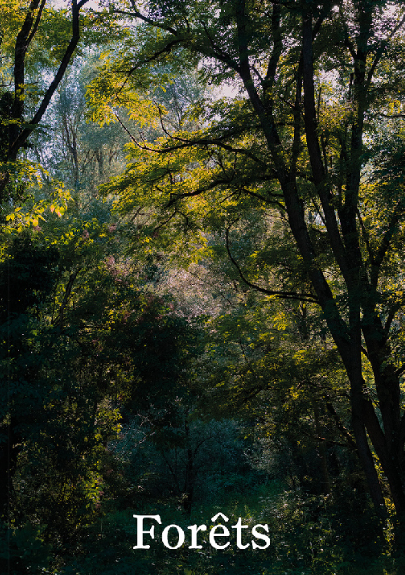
point(32, 213)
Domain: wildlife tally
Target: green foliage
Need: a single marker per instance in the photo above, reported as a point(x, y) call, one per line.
point(308, 535)
point(286, 176)
point(174, 261)
point(184, 460)
point(82, 337)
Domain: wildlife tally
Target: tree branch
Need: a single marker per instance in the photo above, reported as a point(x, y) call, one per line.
point(278, 294)
point(68, 291)
point(385, 242)
point(24, 134)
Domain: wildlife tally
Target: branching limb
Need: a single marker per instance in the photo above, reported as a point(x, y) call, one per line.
point(68, 291)
point(136, 14)
point(218, 53)
point(391, 315)
point(36, 23)
point(386, 242)
point(391, 116)
point(342, 429)
point(162, 224)
point(366, 236)
point(314, 150)
point(165, 50)
point(381, 50)
point(276, 293)
point(24, 134)
point(277, 47)
point(176, 197)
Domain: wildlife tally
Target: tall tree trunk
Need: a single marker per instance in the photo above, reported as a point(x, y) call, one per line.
point(8, 461)
point(323, 456)
point(190, 475)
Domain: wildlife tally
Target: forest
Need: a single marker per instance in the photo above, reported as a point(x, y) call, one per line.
point(202, 235)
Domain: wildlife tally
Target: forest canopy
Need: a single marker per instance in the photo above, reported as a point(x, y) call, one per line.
point(201, 281)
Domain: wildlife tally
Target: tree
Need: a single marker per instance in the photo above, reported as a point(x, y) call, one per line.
point(18, 117)
point(306, 143)
point(83, 339)
point(77, 152)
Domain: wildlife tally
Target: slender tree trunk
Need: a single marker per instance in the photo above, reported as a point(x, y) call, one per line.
point(189, 478)
point(8, 461)
point(323, 456)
